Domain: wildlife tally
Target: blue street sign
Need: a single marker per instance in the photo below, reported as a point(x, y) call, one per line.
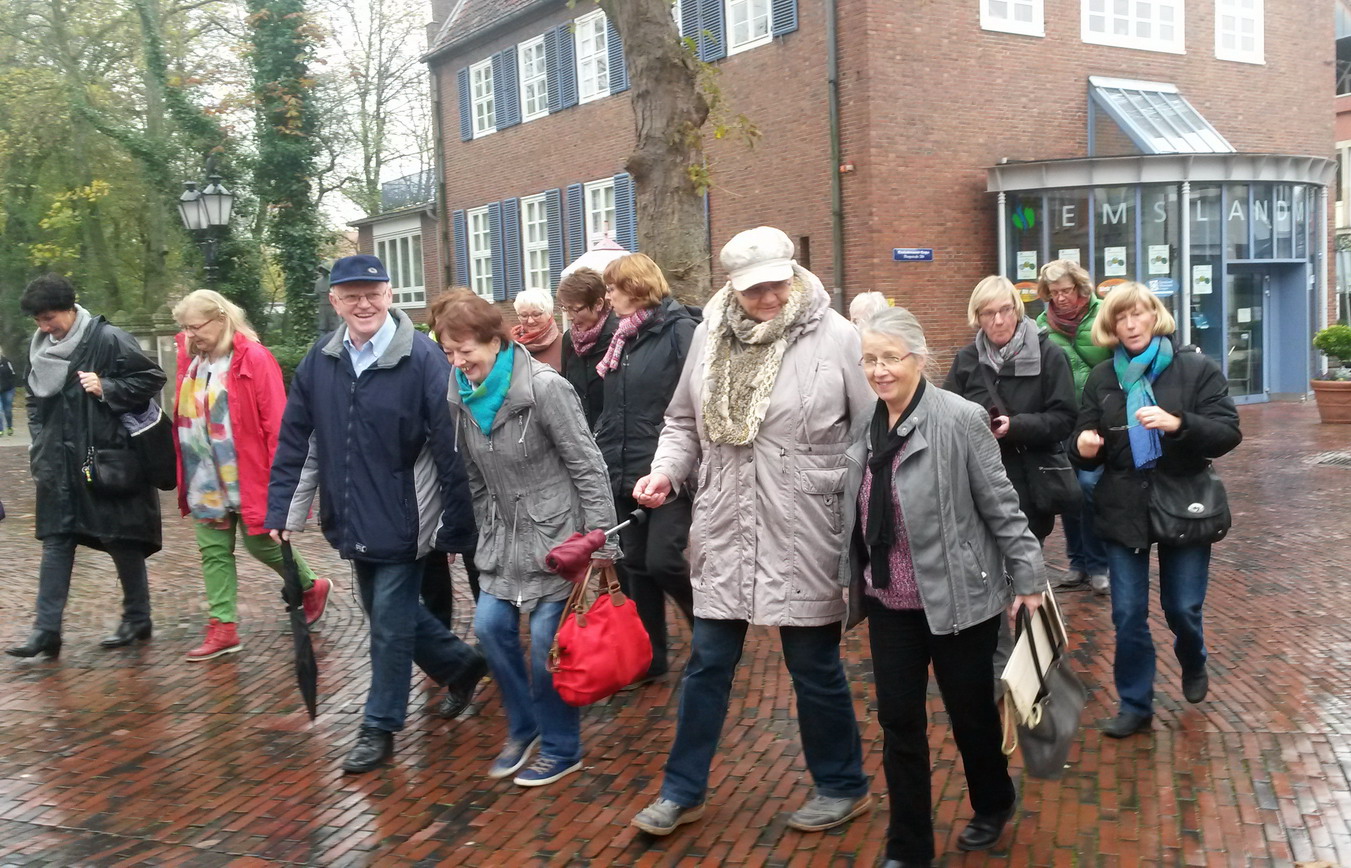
point(912, 254)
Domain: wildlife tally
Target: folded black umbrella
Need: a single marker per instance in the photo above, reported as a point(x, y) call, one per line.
point(307, 669)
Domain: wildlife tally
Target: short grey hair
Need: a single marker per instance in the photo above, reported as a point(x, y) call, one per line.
point(865, 304)
point(537, 298)
point(898, 324)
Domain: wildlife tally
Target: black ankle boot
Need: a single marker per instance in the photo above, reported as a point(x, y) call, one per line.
point(39, 642)
point(127, 633)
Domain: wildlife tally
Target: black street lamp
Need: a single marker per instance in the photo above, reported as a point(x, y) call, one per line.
point(204, 213)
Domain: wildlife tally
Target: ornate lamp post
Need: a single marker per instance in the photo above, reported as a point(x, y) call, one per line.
point(204, 213)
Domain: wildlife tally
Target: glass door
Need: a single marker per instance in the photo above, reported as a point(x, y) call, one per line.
point(1245, 306)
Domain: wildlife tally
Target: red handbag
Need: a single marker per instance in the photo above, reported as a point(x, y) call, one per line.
point(598, 651)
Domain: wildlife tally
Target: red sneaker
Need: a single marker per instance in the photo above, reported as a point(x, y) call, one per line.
point(315, 600)
point(220, 639)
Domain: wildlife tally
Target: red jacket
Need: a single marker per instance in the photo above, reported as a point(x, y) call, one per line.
point(257, 399)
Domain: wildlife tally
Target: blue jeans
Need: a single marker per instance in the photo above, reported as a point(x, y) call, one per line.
point(533, 706)
point(825, 709)
point(403, 632)
point(7, 409)
point(1184, 572)
point(1085, 549)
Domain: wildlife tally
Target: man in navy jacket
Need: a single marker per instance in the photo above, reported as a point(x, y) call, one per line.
point(367, 422)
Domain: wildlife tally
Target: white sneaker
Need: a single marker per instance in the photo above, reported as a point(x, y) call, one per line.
point(1073, 579)
point(1101, 585)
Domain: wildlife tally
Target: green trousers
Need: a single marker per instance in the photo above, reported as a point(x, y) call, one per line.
point(218, 564)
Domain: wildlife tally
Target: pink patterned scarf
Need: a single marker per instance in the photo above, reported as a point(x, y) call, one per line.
point(584, 339)
point(628, 327)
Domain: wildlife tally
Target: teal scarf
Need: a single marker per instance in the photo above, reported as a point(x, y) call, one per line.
point(1136, 374)
point(484, 400)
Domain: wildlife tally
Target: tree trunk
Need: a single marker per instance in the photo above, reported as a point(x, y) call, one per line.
point(668, 112)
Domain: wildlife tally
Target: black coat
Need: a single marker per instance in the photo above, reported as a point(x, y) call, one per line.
point(637, 392)
point(580, 371)
point(1191, 387)
point(7, 375)
point(1041, 412)
point(63, 427)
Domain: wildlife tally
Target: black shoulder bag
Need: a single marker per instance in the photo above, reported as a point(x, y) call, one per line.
point(108, 471)
point(1054, 486)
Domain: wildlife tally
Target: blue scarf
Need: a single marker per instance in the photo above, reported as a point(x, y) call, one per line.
point(1135, 374)
point(484, 400)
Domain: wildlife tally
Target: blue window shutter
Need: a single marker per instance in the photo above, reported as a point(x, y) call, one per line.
point(499, 257)
point(626, 215)
point(619, 73)
point(576, 222)
point(782, 17)
point(506, 89)
point(466, 108)
point(567, 66)
point(689, 19)
point(553, 211)
point(459, 231)
point(712, 33)
point(551, 70)
point(511, 245)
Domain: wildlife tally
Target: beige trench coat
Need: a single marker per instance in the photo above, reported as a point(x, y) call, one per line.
point(769, 519)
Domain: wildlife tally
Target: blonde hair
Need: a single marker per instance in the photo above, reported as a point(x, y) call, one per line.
point(1121, 299)
point(1058, 269)
point(992, 288)
point(212, 305)
point(638, 277)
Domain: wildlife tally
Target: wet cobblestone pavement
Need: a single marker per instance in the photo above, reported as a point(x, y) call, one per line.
point(138, 757)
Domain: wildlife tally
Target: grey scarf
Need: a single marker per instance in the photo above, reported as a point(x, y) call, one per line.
point(50, 360)
point(1023, 348)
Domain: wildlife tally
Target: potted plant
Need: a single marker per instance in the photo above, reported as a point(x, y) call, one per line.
point(1332, 392)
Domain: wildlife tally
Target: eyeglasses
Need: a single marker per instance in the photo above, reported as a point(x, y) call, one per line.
point(757, 292)
point(1063, 293)
point(196, 328)
point(574, 309)
point(537, 314)
point(1004, 312)
point(370, 296)
point(889, 363)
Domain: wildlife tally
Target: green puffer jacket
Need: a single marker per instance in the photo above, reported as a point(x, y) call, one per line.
point(1083, 354)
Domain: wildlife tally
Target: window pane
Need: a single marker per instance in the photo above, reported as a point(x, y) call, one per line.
point(417, 261)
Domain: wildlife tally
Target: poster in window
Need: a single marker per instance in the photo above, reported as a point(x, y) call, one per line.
point(1114, 261)
point(1068, 253)
point(1201, 280)
point(1027, 264)
point(1159, 262)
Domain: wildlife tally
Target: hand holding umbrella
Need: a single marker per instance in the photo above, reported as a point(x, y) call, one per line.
point(570, 558)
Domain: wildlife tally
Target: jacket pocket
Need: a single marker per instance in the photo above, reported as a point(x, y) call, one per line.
point(973, 566)
point(824, 489)
point(549, 526)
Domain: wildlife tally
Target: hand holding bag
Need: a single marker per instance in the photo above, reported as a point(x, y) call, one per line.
point(1188, 510)
point(1043, 696)
point(598, 651)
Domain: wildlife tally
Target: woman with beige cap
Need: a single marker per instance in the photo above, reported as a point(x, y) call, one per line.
point(767, 406)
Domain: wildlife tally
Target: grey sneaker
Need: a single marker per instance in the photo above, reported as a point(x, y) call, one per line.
point(825, 812)
point(1101, 585)
point(663, 816)
point(1073, 579)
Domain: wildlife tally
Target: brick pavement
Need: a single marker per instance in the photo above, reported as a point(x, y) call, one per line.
point(137, 757)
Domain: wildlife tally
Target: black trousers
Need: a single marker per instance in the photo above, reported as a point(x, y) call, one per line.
point(654, 567)
point(438, 593)
point(902, 649)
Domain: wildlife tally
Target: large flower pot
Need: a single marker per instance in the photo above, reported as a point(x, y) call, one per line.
point(1334, 400)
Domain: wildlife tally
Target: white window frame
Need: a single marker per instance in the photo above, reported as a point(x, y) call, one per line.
point(593, 62)
point(1008, 22)
point(540, 79)
point(401, 252)
point(1104, 11)
point(729, 16)
point(481, 98)
point(479, 230)
point(1230, 13)
point(597, 226)
point(535, 243)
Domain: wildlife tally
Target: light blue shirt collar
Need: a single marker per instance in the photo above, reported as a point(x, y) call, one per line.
point(375, 347)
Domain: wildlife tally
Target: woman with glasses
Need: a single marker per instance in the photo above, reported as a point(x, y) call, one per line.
point(1071, 310)
point(538, 331)
point(228, 411)
point(768, 405)
point(1022, 380)
point(938, 528)
point(582, 295)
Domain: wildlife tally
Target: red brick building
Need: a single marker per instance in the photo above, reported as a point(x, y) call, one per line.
point(1181, 141)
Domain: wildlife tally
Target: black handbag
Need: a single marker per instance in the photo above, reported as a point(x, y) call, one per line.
point(1048, 731)
point(1188, 510)
point(110, 471)
point(1052, 482)
point(153, 444)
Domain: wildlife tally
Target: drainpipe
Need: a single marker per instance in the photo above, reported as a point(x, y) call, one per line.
point(836, 182)
point(1184, 285)
point(1324, 242)
point(1001, 217)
